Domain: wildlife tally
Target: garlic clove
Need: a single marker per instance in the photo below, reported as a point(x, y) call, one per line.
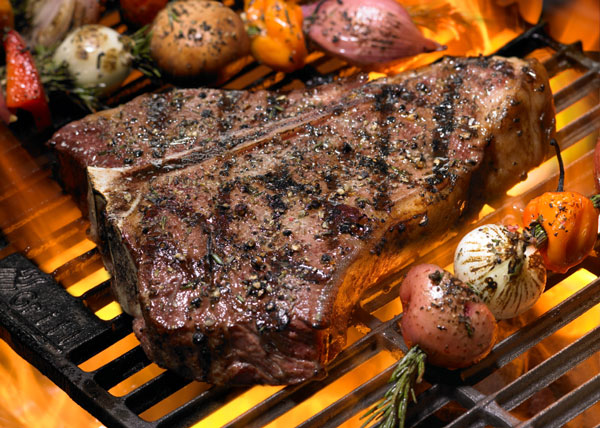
point(499, 264)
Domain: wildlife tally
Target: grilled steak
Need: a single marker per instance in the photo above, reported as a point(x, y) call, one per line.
point(242, 260)
point(155, 126)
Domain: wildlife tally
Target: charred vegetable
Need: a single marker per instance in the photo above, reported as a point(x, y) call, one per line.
point(24, 89)
point(275, 30)
point(565, 224)
point(503, 267)
point(141, 12)
point(195, 38)
point(50, 20)
point(365, 32)
point(445, 322)
point(97, 57)
point(445, 317)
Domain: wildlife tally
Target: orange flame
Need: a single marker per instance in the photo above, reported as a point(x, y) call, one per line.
point(44, 224)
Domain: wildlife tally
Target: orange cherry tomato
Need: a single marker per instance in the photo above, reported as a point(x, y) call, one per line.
point(275, 30)
point(570, 222)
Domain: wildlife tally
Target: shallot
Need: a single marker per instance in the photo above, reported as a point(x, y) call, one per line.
point(51, 20)
point(365, 32)
point(503, 267)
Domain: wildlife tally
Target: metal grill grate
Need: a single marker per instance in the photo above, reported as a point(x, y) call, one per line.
point(57, 332)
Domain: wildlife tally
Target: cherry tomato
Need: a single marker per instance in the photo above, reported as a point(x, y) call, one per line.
point(141, 12)
point(570, 222)
point(24, 89)
point(275, 30)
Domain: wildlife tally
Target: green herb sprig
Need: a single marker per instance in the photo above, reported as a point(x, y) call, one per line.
point(57, 78)
point(390, 412)
point(142, 59)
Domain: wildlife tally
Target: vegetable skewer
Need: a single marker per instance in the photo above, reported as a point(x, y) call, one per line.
point(80, 77)
point(445, 322)
point(564, 227)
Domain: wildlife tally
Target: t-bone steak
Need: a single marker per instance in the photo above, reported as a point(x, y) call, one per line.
point(155, 126)
point(242, 256)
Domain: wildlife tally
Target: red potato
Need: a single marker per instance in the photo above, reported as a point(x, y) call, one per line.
point(445, 318)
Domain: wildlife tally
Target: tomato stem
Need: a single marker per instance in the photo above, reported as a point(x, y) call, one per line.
point(596, 201)
point(561, 166)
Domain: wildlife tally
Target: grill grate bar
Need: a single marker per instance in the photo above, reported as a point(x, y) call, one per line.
point(492, 412)
point(568, 407)
point(362, 397)
point(576, 90)
point(101, 289)
point(531, 382)
point(121, 368)
point(579, 128)
point(550, 370)
point(119, 328)
point(525, 338)
point(557, 63)
point(199, 407)
point(154, 391)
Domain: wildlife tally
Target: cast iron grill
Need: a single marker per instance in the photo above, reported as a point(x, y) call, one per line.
point(57, 332)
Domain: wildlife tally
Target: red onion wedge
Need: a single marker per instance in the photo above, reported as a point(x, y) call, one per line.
point(365, 32)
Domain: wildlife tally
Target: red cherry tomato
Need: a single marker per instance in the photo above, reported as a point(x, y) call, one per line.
point(141, 12)
point(24, 89)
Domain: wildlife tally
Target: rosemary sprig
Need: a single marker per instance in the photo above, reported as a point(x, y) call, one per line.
point(142, 60)
point(390, 412)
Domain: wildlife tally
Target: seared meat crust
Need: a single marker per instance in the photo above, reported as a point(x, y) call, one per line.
point(153, 127)
point(242, 260)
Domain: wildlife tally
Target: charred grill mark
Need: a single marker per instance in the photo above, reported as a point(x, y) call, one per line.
point(346, 219)
point(444, 116)
point(280, 181)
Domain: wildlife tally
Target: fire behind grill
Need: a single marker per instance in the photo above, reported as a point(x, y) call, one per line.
point(57, 332)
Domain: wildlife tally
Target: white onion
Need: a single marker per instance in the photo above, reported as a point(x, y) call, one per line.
point(506, 271)
point(97, 57)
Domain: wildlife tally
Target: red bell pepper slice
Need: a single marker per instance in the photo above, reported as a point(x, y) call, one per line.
point(24, 89)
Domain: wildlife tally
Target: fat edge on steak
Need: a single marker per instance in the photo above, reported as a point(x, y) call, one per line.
point(243, 265)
